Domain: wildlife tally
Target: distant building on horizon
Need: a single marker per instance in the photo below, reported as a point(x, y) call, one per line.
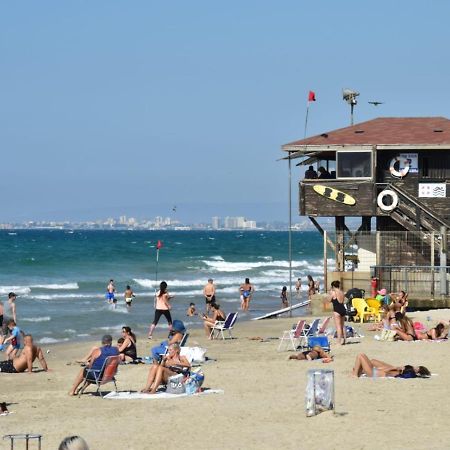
point(238, 223)
point(215, 223)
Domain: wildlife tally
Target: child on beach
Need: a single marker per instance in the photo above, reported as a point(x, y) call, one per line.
point(13, 339)
point(191, 311)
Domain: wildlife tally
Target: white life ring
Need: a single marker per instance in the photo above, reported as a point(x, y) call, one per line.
point(394, 201)
point(398, 173)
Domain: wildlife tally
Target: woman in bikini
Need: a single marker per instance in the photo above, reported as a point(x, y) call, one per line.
point(171, 364)
point(379, 369)
point(209, 322)
point(317, 352)
point(336, 296)
point(405, 330)
point(440, 331)
point(311, 287)
point(127, 348)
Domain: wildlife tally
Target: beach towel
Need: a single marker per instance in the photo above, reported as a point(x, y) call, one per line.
point(158, 395)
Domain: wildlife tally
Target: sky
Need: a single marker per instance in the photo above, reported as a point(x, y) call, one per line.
point(110, 107)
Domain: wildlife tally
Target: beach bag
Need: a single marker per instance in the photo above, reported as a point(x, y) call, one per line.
point(175, 384)
point(194, 382)
point(387, 335)
point(319, 394)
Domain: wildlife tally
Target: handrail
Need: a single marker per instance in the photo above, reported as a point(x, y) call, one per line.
point(417, 203)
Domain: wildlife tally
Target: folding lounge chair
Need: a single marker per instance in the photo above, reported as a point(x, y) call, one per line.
point(219, 327)
point(107, 374)
point(292, 336)
point(182, 344)
point(323, 327)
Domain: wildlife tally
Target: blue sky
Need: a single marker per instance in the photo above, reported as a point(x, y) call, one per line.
point(112, 107)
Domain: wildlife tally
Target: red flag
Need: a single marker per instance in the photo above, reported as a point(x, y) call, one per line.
point(311, 96)
point(159, 245)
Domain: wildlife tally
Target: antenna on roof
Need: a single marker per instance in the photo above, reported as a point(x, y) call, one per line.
point(350, 97)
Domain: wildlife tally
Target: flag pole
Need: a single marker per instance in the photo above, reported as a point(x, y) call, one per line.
point(290, 236)
point(306, 119)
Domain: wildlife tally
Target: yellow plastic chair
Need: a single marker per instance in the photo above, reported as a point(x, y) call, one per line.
point(376, 305)
point(363, 310)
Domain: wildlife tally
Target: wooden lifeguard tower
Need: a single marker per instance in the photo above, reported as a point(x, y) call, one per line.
point(397, 171)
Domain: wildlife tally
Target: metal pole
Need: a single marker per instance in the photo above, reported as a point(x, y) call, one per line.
point(290, 236)
point(325, 262)
point(443, 261)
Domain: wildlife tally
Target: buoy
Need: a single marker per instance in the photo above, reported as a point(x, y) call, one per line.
point(398, 173)
point(394, 200)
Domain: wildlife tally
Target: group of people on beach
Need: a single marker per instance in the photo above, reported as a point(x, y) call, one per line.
point(111, 295)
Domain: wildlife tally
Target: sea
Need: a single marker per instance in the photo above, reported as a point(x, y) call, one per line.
point(60, 276)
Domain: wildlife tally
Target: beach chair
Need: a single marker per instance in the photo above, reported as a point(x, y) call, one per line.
point(292, 336)
point(220, 326)
point(323, 327)
point(376, 305)
point(363, 310)
point(309, 331)
point(322, 341)
point(182, 344)
point(107, 374)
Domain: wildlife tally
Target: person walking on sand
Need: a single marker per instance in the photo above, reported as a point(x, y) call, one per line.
point(163, 308)
point(336, 297)
point(209, 292)
point(12, 305)
point(246, 291)
point(129, 296)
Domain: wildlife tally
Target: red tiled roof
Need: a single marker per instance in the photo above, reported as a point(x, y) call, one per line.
point(387, 131)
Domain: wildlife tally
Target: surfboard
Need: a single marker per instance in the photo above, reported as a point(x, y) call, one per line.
point(282, 311)
point(334, 194)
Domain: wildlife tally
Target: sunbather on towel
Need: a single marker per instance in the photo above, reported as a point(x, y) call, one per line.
point(96, 359)
point(379, 369)
point(440, 331)
point(317, 352)
point(25, 360)
point(171, 364)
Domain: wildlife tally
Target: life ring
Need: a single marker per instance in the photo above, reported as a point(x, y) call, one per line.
point(394, 201)
point(398, 173)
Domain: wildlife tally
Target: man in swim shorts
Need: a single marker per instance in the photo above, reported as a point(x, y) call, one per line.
point(129, 296)
point(110, 291)
point(209, 291)
point(24, 362)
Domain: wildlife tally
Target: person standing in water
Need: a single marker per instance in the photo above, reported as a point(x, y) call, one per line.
point(110, 292)
point(246, 291)
point(298, 287)
point(129, 296)
point(163, 308)
point(12, 305)
point(284, 297)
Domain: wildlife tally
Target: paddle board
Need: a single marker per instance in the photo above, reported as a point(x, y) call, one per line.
point(282, 311)
point(334, 194)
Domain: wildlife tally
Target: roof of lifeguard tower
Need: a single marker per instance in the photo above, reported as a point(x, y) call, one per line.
point(395, 131)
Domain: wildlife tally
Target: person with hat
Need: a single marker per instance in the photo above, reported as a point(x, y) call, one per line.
point(382, 297)
point(175, 336)
point(95, 360)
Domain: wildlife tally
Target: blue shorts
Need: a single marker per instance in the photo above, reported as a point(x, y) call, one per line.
point(110, 295)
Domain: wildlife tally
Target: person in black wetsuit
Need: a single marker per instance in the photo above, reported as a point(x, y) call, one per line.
point(336, 296)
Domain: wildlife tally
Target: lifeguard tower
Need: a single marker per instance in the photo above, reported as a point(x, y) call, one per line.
point(397, 171)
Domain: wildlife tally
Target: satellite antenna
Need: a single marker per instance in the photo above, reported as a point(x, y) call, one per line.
point(350, 97)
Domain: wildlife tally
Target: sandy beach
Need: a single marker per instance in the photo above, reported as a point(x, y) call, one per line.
point(262, 405)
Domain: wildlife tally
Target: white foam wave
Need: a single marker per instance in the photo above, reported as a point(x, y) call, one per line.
point(36, 319)
point(59, 296)
point(68, 286)
point(19, 290)
point(49, 340)
point(226, 266)
point(217, 258)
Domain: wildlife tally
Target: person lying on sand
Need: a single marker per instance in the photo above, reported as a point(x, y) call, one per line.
point(440, 331)
point(379, 369)
point(95, 358)
point(171, 364)
point(25, 361)
point(317, 352)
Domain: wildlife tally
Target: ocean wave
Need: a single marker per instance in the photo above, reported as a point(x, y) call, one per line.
point(49, 340)
point(226, 266)
point(36, 319)
point(217, 258)
point(63, 296)
point(68, 286)
point(19, 290)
